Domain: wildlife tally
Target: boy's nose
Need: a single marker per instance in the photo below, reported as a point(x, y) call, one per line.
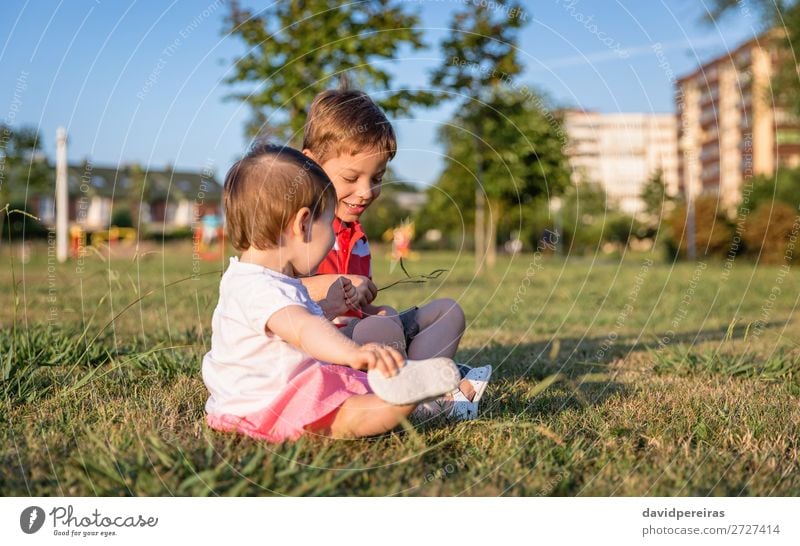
point(365, 192)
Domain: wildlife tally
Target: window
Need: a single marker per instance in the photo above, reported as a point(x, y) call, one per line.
point(46, 209)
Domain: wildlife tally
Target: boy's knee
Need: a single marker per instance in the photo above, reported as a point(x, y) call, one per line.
point(390, 313)
point(448, 309)
point(386, 310)
point(379, 329)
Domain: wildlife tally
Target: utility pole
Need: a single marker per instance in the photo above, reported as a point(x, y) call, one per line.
point(62, 201)
point(691, 251)
point(480, 208)
point(691, 243)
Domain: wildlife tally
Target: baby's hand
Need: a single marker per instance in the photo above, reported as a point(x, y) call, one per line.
point(342, 296)
point(374, 355)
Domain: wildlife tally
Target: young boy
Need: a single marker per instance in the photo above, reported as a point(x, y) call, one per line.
point(350, 137)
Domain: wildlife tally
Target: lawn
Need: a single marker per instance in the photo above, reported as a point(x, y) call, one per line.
point(613, 376)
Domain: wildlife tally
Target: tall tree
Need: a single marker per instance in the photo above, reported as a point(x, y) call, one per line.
point(23, 166)
point(299, 48)
point(656, 200)
point(523, 160)
point(479, 55)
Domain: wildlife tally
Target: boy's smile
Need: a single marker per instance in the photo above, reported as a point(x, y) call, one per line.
point(357, 179)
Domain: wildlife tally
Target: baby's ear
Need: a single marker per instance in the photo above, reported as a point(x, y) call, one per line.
point(301, 225)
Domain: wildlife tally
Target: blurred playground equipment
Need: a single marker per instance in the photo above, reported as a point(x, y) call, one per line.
point(208, 238)
point(111, 236)
point(401, 237)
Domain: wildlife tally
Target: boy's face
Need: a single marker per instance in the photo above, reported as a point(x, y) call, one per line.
point(357, 179)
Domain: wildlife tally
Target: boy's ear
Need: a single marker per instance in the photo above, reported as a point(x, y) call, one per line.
point(301, 225)
point(309, 153)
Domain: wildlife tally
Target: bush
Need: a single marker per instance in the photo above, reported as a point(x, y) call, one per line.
point(784, 186)
point(619, 228)
point(713, 230)
point(585, 224)
point(768, 231)
point(536, 223)
point(582, 217)
point(21, 225)
point(122, 217)
point(176, 234)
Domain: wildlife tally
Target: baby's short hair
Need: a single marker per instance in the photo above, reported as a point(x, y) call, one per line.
point(266, 188)
point(347, 121)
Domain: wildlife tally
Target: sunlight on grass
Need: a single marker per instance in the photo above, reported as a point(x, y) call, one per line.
point(595, 392)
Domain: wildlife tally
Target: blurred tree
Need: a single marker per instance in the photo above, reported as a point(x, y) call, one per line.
point(450, 203)
point(784, 187)
point(24, 170)
point(713, 231)
point(480, 55)
point(523, 162)
point(656, 200)
point(768, 231)
point(297, 49)
point(584, 212)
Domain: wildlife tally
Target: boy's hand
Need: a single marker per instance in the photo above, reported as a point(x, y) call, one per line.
point(374, 355)
point(365, 288)
point(342, 295)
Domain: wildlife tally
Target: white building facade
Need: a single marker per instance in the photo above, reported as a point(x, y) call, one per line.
point(621, 152)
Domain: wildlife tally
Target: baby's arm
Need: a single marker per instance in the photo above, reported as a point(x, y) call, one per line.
point(319, 338)
point(318, 285)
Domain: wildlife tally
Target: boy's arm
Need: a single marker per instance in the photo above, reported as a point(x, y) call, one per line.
point(318, 286)
point(323, 341)
point(341, 298)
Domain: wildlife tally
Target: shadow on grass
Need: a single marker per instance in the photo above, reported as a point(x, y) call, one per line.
point(571, 356)
point(549, 377)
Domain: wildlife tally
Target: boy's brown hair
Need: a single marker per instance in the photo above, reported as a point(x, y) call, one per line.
point(265, 189)
point(347, 121)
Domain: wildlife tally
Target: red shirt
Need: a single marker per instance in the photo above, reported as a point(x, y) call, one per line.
point(350, 254)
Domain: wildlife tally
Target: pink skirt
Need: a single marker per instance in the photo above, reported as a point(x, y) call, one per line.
point(310, 397)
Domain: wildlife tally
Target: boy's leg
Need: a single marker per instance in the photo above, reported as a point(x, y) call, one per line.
point(441, 325)
point(365, 415)
point(380, 329)
point(388, 330)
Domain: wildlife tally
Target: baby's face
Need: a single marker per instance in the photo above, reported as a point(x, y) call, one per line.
point(357, 179)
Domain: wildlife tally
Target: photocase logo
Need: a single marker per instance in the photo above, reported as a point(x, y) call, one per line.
point(31, 519)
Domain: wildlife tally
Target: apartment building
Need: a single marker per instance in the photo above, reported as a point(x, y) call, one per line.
point(621, 152)
point(729, 127)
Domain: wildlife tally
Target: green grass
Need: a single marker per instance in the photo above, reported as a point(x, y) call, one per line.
point(608, 381)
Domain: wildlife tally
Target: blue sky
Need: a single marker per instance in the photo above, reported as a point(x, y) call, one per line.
point(98, 68)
